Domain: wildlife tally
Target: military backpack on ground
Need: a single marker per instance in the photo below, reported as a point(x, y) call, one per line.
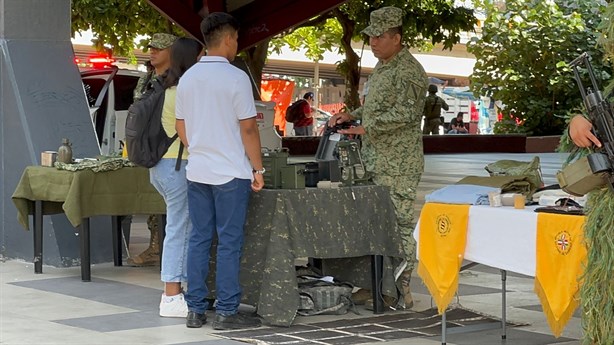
point(322, 297)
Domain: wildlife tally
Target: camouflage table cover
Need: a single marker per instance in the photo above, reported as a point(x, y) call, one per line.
point(282, 225)
point(84, 193)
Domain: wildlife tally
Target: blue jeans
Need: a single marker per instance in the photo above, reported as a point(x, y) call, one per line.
point(173, 187)
point(303, 131)
point(220, 209)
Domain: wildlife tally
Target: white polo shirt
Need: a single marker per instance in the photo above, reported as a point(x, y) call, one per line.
point(212, 97)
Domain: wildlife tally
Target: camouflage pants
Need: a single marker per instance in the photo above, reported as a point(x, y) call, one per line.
point(431, 126)
point(403, 190)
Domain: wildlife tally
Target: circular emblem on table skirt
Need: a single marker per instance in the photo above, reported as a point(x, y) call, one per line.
point(443, 224)
point(563, 242)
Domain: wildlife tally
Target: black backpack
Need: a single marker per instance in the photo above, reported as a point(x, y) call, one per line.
point(295, 111)
point(146, 140)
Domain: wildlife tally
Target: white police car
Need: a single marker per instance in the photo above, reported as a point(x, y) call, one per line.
point(109, 92)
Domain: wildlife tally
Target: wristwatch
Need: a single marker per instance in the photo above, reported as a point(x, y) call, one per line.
point(261, 171)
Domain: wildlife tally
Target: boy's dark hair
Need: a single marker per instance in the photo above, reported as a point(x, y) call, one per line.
point(215, 24)
point(184, 53)
point(308, 95)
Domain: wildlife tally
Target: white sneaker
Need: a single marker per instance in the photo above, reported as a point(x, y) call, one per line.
point(174, 306)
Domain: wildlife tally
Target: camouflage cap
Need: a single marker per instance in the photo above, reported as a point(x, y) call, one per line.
point(162, 41)
point(384, 19)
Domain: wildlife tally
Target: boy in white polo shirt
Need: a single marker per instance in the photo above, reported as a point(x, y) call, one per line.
point(216, 120)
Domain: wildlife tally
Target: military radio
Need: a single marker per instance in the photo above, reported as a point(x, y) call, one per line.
point(273, 161)
point(350, 163)
point(344, 152)
point(279, 174)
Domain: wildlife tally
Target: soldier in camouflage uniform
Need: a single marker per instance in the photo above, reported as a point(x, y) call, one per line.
point(390, 126)
point(144, 82)
point(432, 111)
point(159, 53)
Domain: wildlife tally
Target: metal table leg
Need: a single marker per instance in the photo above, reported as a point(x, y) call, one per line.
point(116, 230)
point(503, 304)
point(85, 250)
point(443, 328)
point(38, 236)
point(377, 263)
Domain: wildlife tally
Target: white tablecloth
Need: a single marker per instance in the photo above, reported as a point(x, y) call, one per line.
point(500, 237)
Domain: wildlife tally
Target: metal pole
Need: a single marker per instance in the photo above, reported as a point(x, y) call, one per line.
point(443, 328)
point(503, 304)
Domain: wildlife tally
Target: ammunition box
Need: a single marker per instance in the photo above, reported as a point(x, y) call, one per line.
point(273, 161)
point(293, 176)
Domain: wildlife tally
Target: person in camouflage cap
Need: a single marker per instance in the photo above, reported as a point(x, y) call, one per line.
point(390, 127)
point(160, 61)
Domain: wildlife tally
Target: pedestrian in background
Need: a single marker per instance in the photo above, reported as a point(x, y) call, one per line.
point(432, 111)
point(457, 126)
point(304, 125)
point(390, 128)
point(216, 120)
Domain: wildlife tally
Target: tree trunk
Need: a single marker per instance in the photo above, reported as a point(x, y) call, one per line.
point(349, 67)
point(255, 58)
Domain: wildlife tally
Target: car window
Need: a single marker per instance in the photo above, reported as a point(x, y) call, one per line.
point(124, 86)
point(92, 89)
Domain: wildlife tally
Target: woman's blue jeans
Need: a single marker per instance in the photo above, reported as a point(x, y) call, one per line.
point(221, 210)
point(173, 186)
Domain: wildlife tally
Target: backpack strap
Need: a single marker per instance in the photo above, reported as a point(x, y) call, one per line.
point(180, 154)
point(148, 77)
point(158, 83)
point(433, 108)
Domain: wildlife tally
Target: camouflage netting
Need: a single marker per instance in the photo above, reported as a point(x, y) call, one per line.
point(597, 291)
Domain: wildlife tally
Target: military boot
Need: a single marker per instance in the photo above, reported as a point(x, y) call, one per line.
point(361, 296)
point(151, 255)
point(406, 301)
point(388, 301)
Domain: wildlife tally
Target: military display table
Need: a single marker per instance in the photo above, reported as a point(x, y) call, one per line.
point(352, 229)
point(356, 223)
point(80, 195)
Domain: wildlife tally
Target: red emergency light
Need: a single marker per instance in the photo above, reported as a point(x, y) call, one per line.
point(100, 61)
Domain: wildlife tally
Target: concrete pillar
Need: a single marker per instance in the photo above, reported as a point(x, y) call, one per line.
point(41, 101)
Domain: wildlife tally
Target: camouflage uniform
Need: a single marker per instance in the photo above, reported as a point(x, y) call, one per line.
point(392, 146)
point(432, 113)
point(151, 255)
point(143, 84)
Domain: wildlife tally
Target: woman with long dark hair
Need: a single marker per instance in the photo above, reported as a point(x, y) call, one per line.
point(172, 185)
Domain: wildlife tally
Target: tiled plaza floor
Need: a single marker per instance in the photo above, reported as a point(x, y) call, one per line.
point(119, 305)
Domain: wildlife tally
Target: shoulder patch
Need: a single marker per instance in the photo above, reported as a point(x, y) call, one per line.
point(415, 90)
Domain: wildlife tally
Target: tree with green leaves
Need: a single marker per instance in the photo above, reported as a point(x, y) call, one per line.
point(425, 23)
point(522, 59)
point(117, 23)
